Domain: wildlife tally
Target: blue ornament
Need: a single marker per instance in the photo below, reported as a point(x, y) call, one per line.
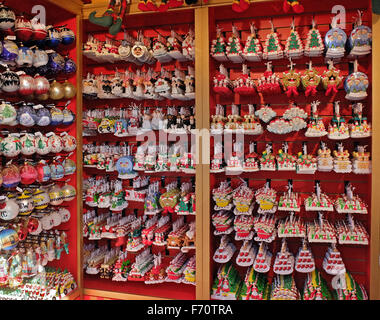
point(124, 167)
point(9, 52)
point(53, 38)
point(68, 117)
point(67, 36)
point(8, 239)
point(26, 116)
point(56, 63)
point(57, 171)
point(56, 116)
point(70, 66)
point(44, 117)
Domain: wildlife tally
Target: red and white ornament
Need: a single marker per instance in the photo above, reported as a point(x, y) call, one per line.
point(27, 85)
point(55, 142)
point(23, 28)
point(69, 142)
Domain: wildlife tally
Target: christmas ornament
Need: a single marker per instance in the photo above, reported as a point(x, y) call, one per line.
point(70, 66)
point(306, 163)
point(69, 166)
point(244, 84)
point(27, 85)
point(24, 57)
point(7, 17)
point(69, 90)
point(56, 116)
point(11, 176)
point(25, 203)
point(252, 50)
point(41, 85)
point(356, 84)
point(41, 199)
point(284, 262)
point(361, 163)
point(265, 113)
point(310, 81)
point(318, 201)
point(331, 79)
point(338, 129)
point(68, 192)
point(8, 113)
point(316, 127)
point(335, 41)
point(28, 173)
point(23, 28)
point(325, 160)
point(9, 52)
point(56, 63)
point(39, 30)
point(342, 163)
point(222, 84)
point(272, 48)
point(269, 82)
point(55, 195)
point(218, 46)
point(9, 209)
point(67, 36)
point(293, 46)
point(294, 5)
point(26, 115)
point(69, 142)
point(360, 39)
point(333, 263)
point(65, 214)
point(11, 146)
point(8, 239)
point(57, 170)
point(53, 38)
point(42, 143)
point(10, 81)
point(291, 81)
point(40, 58)
point(314, 46)
point(350, 203)
point(43, 115)
point(304, 261)
point(234, 47)
point(43, 171)
point(68, 116)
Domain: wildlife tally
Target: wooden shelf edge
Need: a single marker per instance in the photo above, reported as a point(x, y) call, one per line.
point(74, 295)
point(118, 295)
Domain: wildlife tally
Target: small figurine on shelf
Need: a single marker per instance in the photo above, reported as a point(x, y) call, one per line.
point(272, 48)
point(338, 129)
point(350, 203)
point(324, 158)
point(285, 160)
point(244, 84)
point(356, 84)
point(291, 81)
point(316, 127)
point(361, 163)
point(234, 48)
point(252, 50)
point(360, 39)
point(331, 79)
point(314, 46)
point(222, 83)
point(268, 160)
point(293, 46)
point(306, 163)
point(342, 163)
point(310, 80)
point(218, 47)
point(359, 127)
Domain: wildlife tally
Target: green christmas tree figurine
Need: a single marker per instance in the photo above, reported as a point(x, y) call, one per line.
point(314, 45)
point(252, 50)
point(273, 49)
point(218, 46)
point(293, 47)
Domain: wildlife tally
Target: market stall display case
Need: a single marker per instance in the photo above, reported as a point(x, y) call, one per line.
point(226, 276)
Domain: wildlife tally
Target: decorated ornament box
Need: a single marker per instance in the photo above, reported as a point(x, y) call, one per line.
point(272, 110)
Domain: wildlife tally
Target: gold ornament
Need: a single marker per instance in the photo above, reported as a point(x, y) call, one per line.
point(56, 91)
point(69, 90)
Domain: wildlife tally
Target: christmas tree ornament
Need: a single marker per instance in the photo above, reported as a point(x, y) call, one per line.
point(324, 158)
point(25, 203)
point(8, 113)
point(55, 195)
point(252, 50)
point(335, 41)
point(293, 46)
point(55, 143)
point(314, 46)
point(310, 80)
point(25, 57)
point(306, 163)
point(41, 85)
point(9, 208)
point(338, 129)
point(356, 84)
point(43, 172)
point(350, 203)
point(10, 81)
point(11, 146)
point(318, 201)
point(284, 261)
point(342, 163)
point(11, 176)
point(28, 173)
point(69, 192)
point(222, 83)
point(316, 127)
point(41, 199)
point(53, 38)
point(67, 36)
point(39, 30)
point(291, 81)
point(26, 115)
point(360, 39)
point(227, 283)
point(333, 262)
point(244, 84)
point(42, 143)
point(9, 52)
point(272, 48)
point(218, 46)
point(7, 17)
point(69, 90)
point(27, 85)
point(263, 259)
point(269, 82)
point(234, 47)
point(23, 29)
point(361, 163)
point(56, 91)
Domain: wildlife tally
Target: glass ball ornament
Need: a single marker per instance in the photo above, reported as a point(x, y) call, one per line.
point(69, 143)
point(68, 117)
point(26, 115)
point(57, 171)
point(10, 81)
point(40, 58)
point(41, 199)
point(11, 146)
point(53, 38)
point(65, 214)
point(9, 209)
point(38, 229)
point(67, 36)
point(55, 195)
point(56, 91)
point(7, 17)
point(42, 144)
point(8, 113)
point(39, 30)
point(57, 116)
point(28, 144)
point(69, 192)
point(56, 63)
point(47, 222)
point(43, 116)
point(25, 203)
point(23, 29)
point(70, 66)
point(27, 85)
point(28, 173)
point(56, 217)
point(69, 166)
point(25, 57)
point(9, 52)
point(11, 176)
point(69, 90)
point(41, 85)
point(55, 143)
point(43, 172)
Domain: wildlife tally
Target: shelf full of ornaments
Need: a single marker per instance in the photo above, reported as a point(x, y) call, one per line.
point(144, 227)
point(158, 69)
point(36, 163)
point(247, 222)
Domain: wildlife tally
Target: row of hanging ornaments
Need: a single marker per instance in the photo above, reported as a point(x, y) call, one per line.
point(30, 208)
point(333, 46)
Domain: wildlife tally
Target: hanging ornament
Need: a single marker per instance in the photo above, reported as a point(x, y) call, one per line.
point(7, 17)
point(68, 116)
point(9, 209)
point(28, 173)
point(56, 116)
point(27, 85)
point(291, 81)
point(252, 50)
point(41, 85)
point(8, 113)
point(65, 214)
point(265, 113)
point(356, 84)
point(338, 129)
point(67, 36)
point(218, 46)
point(28, 144)
point(316, 127)
point(10, 81)
point(69, 142)
point(70, 66)
point(40, 58)
point(234, 48)
point(331, 79)
point(41, 199)
point(43, 172)
point(293, 46)
point(42, 143)
point(43, 115)
point(55, 195)
point(222, 84)
point(23, 28)
point(25, 203)
point(314, 46)
point(25, 57)
point(360, 39)
point(359, 126)
point(304, 261)
point(272, 48)
point(69, 166)
point(57, 170)
point(26, 115)
point(310, 80)
point(11, 176)
point(9, 52)
point(244, 84)
point(69, 192)
point(39, 30)
point(69, 90)
point(11, 146)
point(53, 38)
point(9, 240)
point(335, 42)
point(56, 91)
